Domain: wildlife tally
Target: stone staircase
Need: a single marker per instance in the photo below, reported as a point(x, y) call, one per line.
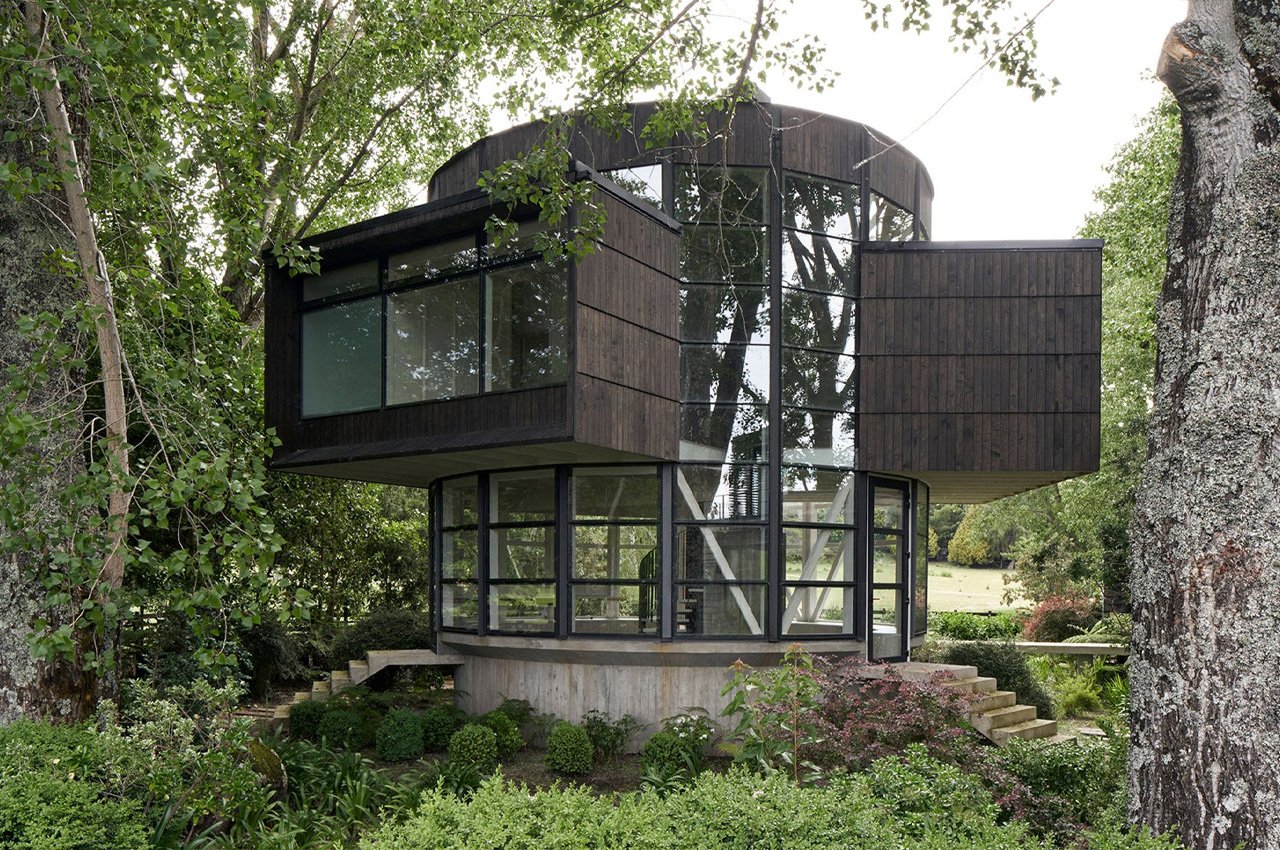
point(358, 671)
point(996, 714)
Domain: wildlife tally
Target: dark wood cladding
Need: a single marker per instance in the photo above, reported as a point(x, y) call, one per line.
point(625, 419)
point(809, 142)
point(980, 358)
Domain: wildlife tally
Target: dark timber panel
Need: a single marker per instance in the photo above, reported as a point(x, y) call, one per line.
point(626, 419)
point(893, 171)
point(627, 354)
point(980, 359)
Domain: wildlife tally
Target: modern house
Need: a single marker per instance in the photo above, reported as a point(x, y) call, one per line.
point(716, 434)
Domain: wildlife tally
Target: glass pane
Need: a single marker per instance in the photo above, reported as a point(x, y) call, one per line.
point(717, 254)
point(433, 260)
point(459, 605)
point(817, 496)
point(733, 492)
point(820, 205)
point(433, 345)
point(526, 496)
point(618, 552)
point(818, 320)
point(886, 624)
point(890, 508)
point(820, 610)
point(920, 596)
point(720, 553)
point(342, 358)
point(522, 553)
point(643, 181)
point(723, 433)
point(522, 607)
point(458, 555)
point(817, 263)
point(886, 557)
point(615, 609)
point(720, 609)
point(459, 501)
point(888, 221)
point(717, 313)
point(818, 554)
point(529, 236)
point(615, 493)
point(718, 194)
point(818, 437)
point(817, 379)
point(526, 326)
point(725, 374)
point(345, 280)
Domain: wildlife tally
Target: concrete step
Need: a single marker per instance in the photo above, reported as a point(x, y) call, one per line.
point(1029, 730)
point(991, 700)
point(281, 712)
point(1011, 715)
point(973, 684)
point(1060, 738)
point(301, 696)
point(319, 690)
point(358, 671)
point(339, 681)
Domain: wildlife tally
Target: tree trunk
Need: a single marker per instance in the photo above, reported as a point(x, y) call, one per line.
point(1205, 674)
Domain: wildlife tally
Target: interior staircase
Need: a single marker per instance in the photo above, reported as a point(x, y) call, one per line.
point(996, 714)
point(360, 670)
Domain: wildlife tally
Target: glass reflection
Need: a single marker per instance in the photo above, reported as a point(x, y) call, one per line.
point(617, 552)
point(724, 374)
point(721, 195)
point(730, 492)
point(435, 260)
point(527, 326)
point(817, 496)
point(522, 553)
point(889, 222)
point(643, 181)
point(818, 320)
point(615, 493)
point(818, 263)
point(723, 433)
point(817, 379)
point(721, 254)
point(342, 358)
point(527, 608)
point(459, 605)
point(459, 502)
point(818, 610)
point(720, 553)
point(525, 496)
point(822, 206)
point(433, 349)
point(818, 437)
point(615, 609)
point(818, 555)
point(724, 314)
point(458, 555)
point(345, 280)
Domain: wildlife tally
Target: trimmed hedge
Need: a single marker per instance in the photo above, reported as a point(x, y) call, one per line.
point(569, 750)
point(399, 738)
point(304, 720)
point(475, 745)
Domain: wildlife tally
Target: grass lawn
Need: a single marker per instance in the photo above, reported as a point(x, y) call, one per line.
point(956, 588)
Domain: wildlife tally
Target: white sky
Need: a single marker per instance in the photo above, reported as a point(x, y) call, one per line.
point(1003, 167)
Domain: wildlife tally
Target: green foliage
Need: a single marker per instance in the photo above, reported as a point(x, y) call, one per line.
point(343, 729)
point(1008, 667)
point(384, 629)
point(777, 714)
point(508, 734)
point(609, 737)
point(519, 710)
point(961, 625)
point(1057, 618)
point(438, 726)
point(1072, 786)
point(43, 813)
point(569, 750)
point(475, 745)
point(399, 737)
point(304, 720)
point(665, 753)
point(921, 793)
point(454, 777)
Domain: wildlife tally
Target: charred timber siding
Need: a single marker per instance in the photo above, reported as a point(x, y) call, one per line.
point(980, 357)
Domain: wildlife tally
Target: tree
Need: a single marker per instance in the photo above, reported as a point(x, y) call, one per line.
point(1205, 673)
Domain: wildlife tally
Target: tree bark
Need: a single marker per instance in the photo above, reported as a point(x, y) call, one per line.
point(1205, 674)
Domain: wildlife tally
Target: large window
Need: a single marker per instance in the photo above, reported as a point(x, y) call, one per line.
point(819, 555)
point(522, 551)
point(615, 551)
point(460, 318)
point(459, 563)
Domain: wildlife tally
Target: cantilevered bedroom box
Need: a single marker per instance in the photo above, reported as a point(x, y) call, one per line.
point(716, 434)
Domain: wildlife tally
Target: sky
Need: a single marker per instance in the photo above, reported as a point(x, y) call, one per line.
point(1003, 167)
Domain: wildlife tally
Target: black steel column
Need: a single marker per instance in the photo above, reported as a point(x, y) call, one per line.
point(774, 562)
point(482, 552)
point(666, 552)
point(564, 552)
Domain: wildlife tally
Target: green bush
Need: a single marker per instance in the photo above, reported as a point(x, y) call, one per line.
point(1008, 667)
point(304, 720)
point(1077, 696)
point(509, 740)
point(39, 812)
point(475, 745)
point(399, 737)
point(666, 751)
point(343, 729)
point(438, 726)
point(962, 625)
point(384, 629)
point(1071, 786)
point(609, 737)
point(519, 710)
point(569, 750)
point(921, 792)
point(1060, 617)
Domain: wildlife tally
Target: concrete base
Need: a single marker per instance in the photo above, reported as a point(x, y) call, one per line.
point(646, 679)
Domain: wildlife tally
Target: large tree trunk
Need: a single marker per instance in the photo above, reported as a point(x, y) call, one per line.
point(1205, 674)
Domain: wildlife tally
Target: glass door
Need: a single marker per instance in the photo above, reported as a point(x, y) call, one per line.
point(890, 570)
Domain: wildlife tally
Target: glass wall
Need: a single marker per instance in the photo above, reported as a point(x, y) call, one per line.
point(460, 317)
point(458, 561)
point(522, 551)
point(615, 571)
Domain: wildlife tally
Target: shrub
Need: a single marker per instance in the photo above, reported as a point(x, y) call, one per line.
point(519, 710)
point(438, 726)
point(665, 752)
point(920, 792)
point(384, 629)
point(569, 750)
point(475, 745)
point(1060, 617)
point(961, 625)
point(1076, 696)
point(1008, 667)
point(399, 737)
point(304, 720)
point(1071, 786)
point(343, 728)
point(609, 737)
point(38, 811)
point(508, 734)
